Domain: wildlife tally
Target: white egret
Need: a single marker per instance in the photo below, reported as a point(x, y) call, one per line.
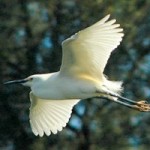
point(85, 55)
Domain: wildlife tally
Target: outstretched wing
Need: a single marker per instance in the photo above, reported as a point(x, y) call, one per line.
point(49, 116)
point(87, 52)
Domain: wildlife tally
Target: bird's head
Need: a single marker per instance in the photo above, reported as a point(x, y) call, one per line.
point(26, 82)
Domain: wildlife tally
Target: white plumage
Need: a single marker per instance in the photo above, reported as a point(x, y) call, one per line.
point(49, 116)
point(85, 55)
point(91, 48)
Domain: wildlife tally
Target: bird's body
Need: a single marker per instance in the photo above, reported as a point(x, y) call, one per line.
point(68, 88)
point(71, 87)
point(85, 56)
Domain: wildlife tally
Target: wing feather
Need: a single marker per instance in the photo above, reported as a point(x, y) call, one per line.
point(87, 52)
point(49, 116)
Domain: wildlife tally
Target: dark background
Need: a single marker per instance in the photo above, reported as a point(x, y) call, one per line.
point(31, 33)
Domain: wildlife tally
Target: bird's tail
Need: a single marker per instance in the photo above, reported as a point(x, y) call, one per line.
point(115, 86)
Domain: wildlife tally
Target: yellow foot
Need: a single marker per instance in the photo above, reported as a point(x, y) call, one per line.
point(143, 106)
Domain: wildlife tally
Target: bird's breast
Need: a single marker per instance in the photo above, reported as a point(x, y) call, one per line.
point(65, 88)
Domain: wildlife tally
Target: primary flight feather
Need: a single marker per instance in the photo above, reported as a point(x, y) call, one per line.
point(85, 55)
point(90, 48)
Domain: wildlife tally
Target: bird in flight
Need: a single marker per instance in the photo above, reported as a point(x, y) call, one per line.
point(85, 55)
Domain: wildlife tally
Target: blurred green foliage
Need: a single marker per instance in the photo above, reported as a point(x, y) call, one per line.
point(31, 33)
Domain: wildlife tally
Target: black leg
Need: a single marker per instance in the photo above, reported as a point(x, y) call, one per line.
point(108, 92)
point(140, 105)
point(126, 99)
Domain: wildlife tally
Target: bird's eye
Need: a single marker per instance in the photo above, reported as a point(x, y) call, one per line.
point(31, 79)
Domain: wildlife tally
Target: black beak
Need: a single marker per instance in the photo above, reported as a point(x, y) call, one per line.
point(16, 81)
